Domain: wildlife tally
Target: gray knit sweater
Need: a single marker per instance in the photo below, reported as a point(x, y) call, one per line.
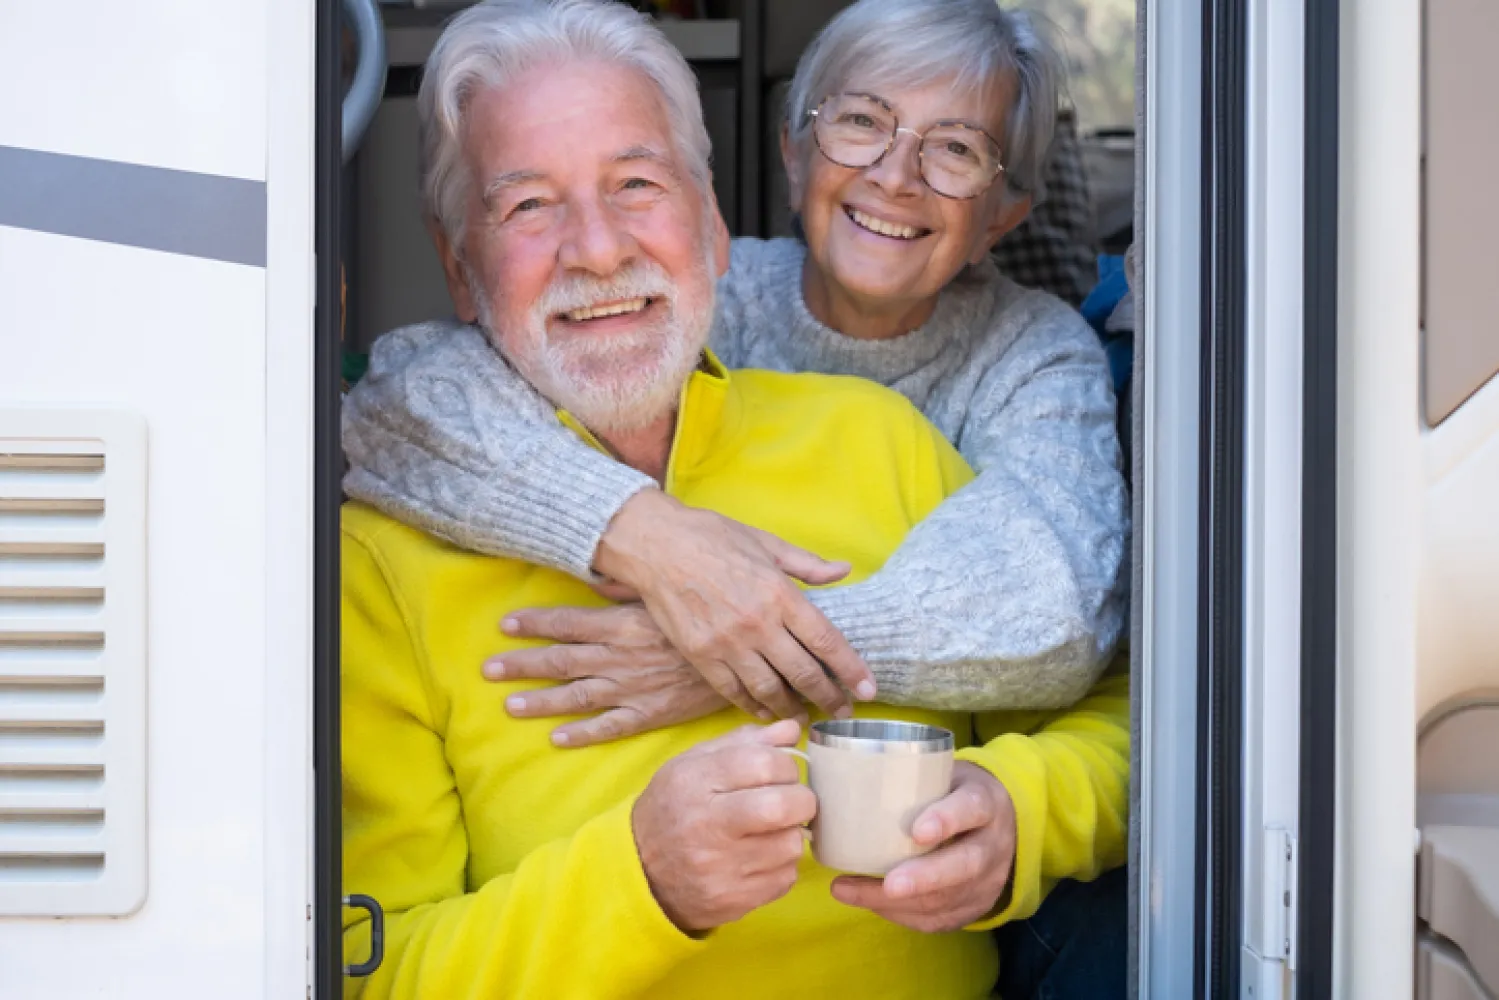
point(1009, 595)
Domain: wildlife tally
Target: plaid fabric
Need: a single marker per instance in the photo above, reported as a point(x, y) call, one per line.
point(1055, 248)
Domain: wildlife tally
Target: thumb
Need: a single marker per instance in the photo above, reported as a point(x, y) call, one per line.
point(785, 733)
point(800, 564)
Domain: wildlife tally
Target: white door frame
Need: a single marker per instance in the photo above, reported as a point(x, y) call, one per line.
point(1165, 658)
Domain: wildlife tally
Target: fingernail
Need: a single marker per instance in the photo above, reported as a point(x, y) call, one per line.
point(509, 626)
point(844, 712)
point(515, 704)
point(559, 739)
point(494, 670)
point(898, 885)
point(927, 829)
point(865, 690)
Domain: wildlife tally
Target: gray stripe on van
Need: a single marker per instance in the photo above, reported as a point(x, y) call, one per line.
point(174, 211)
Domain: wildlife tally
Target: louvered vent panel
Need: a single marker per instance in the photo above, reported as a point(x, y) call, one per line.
point(72, 662)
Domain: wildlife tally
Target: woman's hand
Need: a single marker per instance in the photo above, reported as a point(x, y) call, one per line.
point(609, 660)
point(722, 595)
point(958, 883)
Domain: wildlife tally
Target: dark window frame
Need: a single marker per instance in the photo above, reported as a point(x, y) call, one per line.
point(327, 913)
point(1219, 850)
point(1317, 836)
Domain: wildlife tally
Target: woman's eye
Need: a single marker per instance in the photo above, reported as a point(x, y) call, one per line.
point(529, 205)
point(960, 149)
point(858, 120)
point(637, 184)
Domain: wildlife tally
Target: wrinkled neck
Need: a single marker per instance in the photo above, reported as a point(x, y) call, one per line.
point(647, 449)
point(856, 317)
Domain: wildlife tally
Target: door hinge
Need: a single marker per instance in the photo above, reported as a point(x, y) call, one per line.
point(309, 952)
point(1278, 930)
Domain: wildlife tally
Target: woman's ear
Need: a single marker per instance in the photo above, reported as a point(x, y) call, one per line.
point(452, 269)
point(1006, 212)
point(793, 165)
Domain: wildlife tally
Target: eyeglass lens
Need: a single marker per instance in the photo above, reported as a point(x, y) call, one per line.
point(854, 130)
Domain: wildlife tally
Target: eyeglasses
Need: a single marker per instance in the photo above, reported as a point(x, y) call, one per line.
point(957, 160)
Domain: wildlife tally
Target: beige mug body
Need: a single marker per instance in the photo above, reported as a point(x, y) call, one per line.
point(872, 779)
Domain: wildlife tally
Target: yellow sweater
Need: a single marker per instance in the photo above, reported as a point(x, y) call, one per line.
point(507, 867)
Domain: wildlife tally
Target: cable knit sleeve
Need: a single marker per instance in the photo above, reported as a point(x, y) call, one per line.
point(1011, 593)
point(443, 434)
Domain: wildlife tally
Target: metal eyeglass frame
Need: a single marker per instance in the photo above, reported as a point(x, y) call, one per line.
point(999, 167)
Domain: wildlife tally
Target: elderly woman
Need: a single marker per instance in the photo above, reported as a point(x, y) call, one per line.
point(914, 139)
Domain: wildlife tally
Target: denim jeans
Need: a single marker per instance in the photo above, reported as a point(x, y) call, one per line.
point(1074, 947)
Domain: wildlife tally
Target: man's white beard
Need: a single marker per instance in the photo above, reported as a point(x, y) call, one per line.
point(612, 383)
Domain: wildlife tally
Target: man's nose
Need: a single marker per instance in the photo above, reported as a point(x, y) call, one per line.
point(596, 241)
point(899, 170)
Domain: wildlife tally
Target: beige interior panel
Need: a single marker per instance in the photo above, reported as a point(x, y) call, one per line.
point(1457, 883)
point(1458, 634)
point(1443, 974)
point(1461, 343)
point(1458, 893)
point(1458, 748)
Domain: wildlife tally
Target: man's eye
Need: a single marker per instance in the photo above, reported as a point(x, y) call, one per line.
point(857, 120)
point(637, 184)
point(529, 205)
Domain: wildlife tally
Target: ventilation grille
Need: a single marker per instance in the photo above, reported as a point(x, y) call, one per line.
point(72, 663)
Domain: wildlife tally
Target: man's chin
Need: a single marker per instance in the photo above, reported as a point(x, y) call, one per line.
point(616, 371)
point(623, 397)
point(623, 411)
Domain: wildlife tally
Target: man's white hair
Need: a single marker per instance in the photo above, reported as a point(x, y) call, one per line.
point(491, 43)
point(911, 43)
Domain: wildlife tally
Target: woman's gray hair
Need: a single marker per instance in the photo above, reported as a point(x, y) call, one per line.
point(912, 43)
point(491, 43)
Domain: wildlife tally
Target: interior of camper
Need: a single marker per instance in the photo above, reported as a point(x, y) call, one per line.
point(1272, 215)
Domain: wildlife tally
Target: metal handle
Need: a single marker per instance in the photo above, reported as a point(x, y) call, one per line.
point(368, 87)
point(377, 935)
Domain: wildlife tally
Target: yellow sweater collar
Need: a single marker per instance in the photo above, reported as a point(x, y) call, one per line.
point(708, 411)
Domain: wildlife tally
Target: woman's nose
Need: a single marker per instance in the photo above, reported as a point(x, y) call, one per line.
point(595, 241)
point(899, 170)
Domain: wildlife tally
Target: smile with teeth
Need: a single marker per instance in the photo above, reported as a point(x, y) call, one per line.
point(607, 309)
point(894, 230)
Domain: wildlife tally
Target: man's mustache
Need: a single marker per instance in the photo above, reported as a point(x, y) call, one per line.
point(640, 281)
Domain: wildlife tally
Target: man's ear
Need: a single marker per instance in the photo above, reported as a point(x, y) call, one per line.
point(720, 240)
point(1007, 212)
point(452, 270)
point(793, 165)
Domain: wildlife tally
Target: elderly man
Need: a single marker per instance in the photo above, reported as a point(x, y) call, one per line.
point(579, 228)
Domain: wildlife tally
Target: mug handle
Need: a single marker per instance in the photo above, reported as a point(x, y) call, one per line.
point(793, 751)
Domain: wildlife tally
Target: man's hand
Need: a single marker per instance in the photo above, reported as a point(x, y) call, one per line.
point(721, 593)
point(719, 828)
point(960, 882)
point(614, 661)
